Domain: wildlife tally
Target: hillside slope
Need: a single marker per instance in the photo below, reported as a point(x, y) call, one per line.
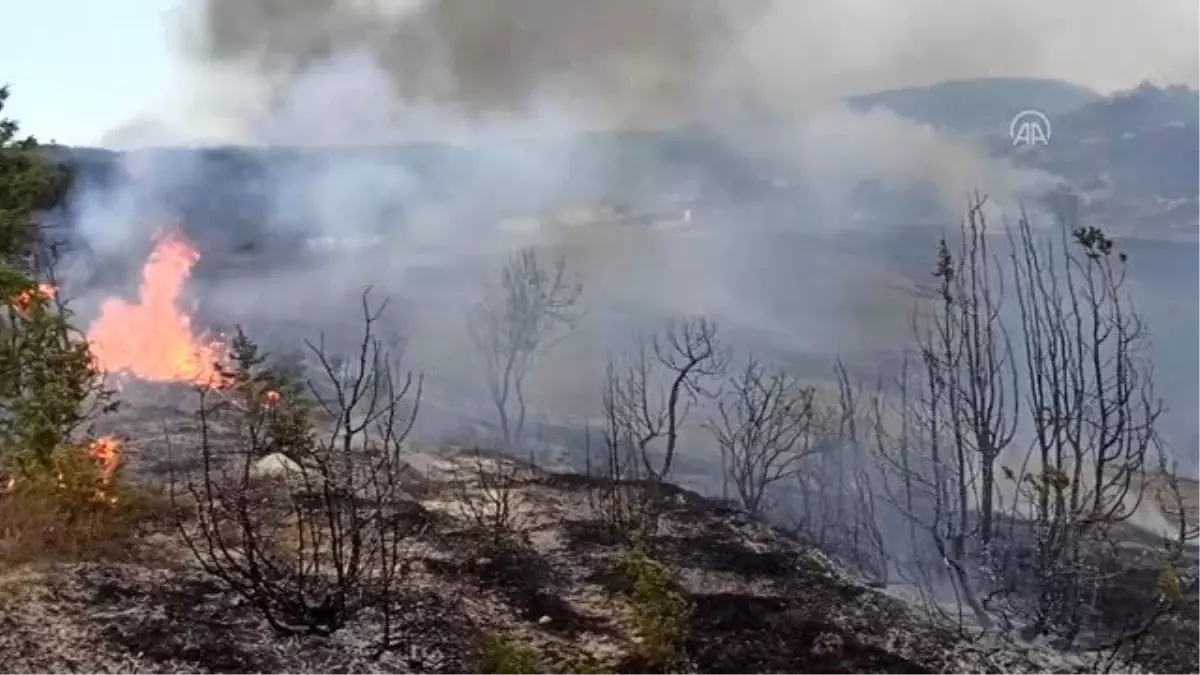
point(763, 602)
point(979, 106)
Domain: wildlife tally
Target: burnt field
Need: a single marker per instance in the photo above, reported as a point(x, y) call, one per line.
point(520, 395)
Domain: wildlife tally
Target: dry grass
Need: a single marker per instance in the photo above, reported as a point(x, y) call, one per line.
point(41, 523)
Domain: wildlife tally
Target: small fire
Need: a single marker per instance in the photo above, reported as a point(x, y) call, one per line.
point(24, 300)
point(272, 397)
point(106, 452)
point(152, 339)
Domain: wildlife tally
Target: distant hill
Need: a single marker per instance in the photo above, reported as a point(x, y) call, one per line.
point(1134, 158)
point(979, 106)
point(1146, 107)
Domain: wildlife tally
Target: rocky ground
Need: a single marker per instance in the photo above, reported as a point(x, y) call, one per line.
point(762, 603)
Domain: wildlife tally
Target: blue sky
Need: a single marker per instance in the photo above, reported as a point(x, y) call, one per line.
point(78, 68)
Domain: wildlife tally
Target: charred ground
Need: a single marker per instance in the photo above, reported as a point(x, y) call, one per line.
point(763, 601)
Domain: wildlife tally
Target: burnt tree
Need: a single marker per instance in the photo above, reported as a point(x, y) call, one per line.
point(318, 538)
point(531, 307)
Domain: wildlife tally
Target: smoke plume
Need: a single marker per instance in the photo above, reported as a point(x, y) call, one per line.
point(637, 63)
point(515, 85)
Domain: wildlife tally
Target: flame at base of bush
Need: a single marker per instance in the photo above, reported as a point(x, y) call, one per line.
point(101, 458)
point(25, 300)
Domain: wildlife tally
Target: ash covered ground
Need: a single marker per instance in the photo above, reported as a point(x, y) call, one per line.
point(764, 602)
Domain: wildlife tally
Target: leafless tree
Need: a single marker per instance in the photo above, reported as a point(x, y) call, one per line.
point(319, 539)
point(531, 308)
point(835, 503)
point(956, 413)
point(969, 362)
point(687, 356)
point(620, 497)
point(1170, 494)
point(920, 480)
point(857, 476)
point(1048, 552)
point(765, 427)
point(1093, 411)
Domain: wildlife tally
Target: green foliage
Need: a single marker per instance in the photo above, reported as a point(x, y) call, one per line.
point(49, 384)
point(1093, 240)
point(662, 613)
point(28, 185)
point(70, 511)
point(505, 654)
point(1169, 585)
point(274, 408)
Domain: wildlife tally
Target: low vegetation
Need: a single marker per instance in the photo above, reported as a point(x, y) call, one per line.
point(506, 654)
point(661, 613)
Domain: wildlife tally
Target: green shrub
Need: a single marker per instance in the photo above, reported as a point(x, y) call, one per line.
point(505, 654)
point(55, 498)
point(662, 613)
point(71, 510)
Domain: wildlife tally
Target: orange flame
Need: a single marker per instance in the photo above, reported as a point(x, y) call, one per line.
point(272, 397)
point(23, 301)
point(105, 451)
point(152, 339)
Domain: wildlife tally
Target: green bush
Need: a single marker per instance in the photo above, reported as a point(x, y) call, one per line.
point(56, 497)
point(662, 613)
point(72, 510)
point(505, 654)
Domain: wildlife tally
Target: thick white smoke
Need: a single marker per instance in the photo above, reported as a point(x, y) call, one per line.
point(515, 85)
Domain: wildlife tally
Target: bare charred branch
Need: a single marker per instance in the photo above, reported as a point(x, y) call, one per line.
point(531, 309)
point(1074, 382)
point(647, 403)
point(765, 427)
point(319, 538)
point(489, 491)
point(620, 500)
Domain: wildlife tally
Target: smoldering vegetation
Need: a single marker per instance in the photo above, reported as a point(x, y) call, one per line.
point(955, 471)
point(629, 250)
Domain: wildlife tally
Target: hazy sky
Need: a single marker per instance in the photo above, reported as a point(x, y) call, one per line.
point(80, 67)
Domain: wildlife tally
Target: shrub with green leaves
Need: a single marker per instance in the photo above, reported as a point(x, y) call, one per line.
point(49, 383)
point(662, 613)
point(507, 653)
point(271, 405)
point(74, 510)
point(504, 653)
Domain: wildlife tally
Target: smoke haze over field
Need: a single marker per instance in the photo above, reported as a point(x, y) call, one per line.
point(761, 78)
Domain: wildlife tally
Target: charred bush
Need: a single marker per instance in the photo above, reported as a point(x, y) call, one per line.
point(308, 515)
point(488, 493)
